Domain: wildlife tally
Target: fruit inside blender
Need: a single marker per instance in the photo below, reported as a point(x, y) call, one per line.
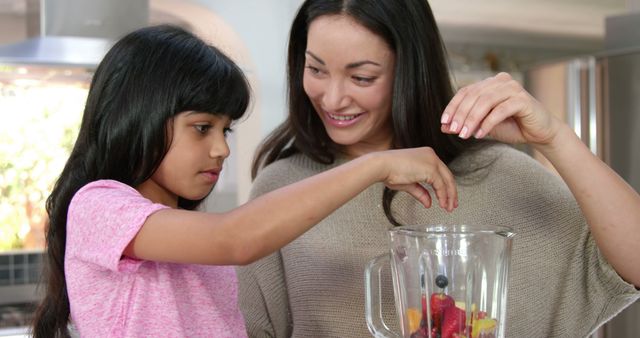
point(444, 317)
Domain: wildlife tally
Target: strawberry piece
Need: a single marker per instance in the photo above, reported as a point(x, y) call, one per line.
point(453, 321)
point(440, 302)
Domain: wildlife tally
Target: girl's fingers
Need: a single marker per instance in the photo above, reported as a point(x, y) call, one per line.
point(439, 187)
point(416, 190)
point(421, 194)
point(432, 172)
point(452, 191)
point(444, 186)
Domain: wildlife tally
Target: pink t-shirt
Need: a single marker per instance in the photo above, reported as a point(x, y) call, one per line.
point(115, 296)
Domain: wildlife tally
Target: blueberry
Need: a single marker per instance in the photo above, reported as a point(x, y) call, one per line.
point(420, 333)
point(442, 281)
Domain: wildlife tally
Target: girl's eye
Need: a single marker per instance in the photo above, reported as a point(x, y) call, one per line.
point(202, 128)
point(227, 131)
point(363, 80)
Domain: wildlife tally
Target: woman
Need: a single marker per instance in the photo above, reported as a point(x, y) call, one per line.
point(371, 75)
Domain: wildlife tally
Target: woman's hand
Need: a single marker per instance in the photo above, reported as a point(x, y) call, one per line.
point(408, 169)
point(499, 107)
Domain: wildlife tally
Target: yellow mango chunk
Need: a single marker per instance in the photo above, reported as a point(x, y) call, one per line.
point(462, 306)
point(414, 316)
point(486, 325)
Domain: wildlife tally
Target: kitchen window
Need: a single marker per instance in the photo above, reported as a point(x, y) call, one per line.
point(41, 112)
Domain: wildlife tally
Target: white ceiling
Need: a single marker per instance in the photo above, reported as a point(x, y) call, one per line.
point(12, 6)
point(570, 24)
point(564, 23)
point(482, 8)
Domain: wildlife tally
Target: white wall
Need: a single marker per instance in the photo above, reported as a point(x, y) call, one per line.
point(264, 28)
point(574, 25)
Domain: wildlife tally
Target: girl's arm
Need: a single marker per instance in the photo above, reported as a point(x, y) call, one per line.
point(501, 108)
point(269, 222)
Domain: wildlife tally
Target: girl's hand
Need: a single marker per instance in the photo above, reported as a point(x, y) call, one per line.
point(408, 169)
point(499, 107)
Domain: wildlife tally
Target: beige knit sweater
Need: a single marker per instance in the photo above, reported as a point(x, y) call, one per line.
point(559, 284)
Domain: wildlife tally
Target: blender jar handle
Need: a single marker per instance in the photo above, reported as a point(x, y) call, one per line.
point(373, 301)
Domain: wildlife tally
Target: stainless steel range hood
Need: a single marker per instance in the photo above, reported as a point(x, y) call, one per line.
point(74, 32)
point(56, 50)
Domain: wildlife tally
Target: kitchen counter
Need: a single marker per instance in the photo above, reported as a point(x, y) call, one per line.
point(14, 332)
point(13, 316)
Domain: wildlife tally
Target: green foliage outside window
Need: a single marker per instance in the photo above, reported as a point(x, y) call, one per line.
point(39, 125)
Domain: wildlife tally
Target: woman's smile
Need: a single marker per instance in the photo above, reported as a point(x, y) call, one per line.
point(343, 120)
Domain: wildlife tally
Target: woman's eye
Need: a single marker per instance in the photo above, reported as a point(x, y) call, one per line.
point(363, 80)
point(202, 128)
point(313, 70)
point(227, 131)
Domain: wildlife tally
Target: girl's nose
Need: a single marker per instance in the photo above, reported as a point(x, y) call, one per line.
point(335, 97)
point(219, 148)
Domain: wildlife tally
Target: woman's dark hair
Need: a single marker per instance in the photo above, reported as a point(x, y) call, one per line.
point(421, 89)
point(146, 79)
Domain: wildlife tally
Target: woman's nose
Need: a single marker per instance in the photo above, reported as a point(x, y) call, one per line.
point(335, 97)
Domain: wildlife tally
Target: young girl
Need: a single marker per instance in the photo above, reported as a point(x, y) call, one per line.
point(127, 255)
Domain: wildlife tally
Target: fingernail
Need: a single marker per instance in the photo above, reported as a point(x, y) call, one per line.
point(463, 133)
point(445, 118)
point(454, 126)
point(479, 134)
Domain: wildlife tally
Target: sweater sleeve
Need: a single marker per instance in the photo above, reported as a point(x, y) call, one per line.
point(566, 273)
point(592, 291)
point(262, 298)
point(262, 293)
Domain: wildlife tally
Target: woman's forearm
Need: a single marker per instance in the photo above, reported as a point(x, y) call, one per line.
point(610, 205)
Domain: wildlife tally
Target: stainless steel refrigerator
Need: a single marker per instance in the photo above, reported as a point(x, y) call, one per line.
point(599, 97)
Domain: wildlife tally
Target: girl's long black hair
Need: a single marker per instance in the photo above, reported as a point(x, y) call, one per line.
point(146, 78)
point(421, 90)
